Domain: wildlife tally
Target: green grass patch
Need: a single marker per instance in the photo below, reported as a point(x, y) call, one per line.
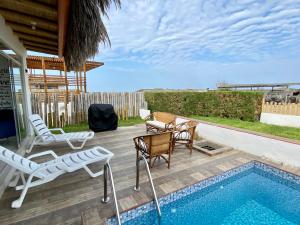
point(84, 126)
point(281, 131)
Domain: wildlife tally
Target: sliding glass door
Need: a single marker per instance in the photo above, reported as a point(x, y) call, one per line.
point(12, 121)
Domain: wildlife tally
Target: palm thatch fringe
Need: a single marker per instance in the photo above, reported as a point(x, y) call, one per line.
point(86, 30)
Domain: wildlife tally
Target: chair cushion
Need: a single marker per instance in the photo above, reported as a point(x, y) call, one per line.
point(180, 120)
point(184, 135)
point(156, 124)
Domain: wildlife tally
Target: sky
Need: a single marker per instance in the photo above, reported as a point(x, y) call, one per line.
point(183, 44)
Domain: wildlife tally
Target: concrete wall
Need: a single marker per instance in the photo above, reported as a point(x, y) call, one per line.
point(10, 40)
point(280, 119)
point(276, 150)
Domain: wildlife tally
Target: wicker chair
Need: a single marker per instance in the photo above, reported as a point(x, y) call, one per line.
point(160, 122)
point(154, 146)
point(184, 133)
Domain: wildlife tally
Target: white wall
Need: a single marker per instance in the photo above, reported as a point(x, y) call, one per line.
point(280, 119)
point(276, 150)
point(8, 38)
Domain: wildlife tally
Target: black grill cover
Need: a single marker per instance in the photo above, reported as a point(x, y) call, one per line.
point(102, 117)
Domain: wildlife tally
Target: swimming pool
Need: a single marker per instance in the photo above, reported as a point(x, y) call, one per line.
point(254, 193)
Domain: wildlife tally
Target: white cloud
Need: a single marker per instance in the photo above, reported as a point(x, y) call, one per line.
point(161, 32)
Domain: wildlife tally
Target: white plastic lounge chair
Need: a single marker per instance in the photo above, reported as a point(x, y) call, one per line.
point(144, 113)
point(44, 135)
point(45, 172)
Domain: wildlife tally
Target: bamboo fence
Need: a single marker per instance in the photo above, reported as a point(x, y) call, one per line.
point(58, 113)
point(281, 108)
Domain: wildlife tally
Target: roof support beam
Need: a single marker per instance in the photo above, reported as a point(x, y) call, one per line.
point(27, 29)
point(13, 16)
point(38, 45)
point(38, 49)
point(33, 7)
point(63, 17)
point(28, 37)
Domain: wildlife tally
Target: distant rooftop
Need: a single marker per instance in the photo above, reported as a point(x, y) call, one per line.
point(257, 86)
point(171, 90)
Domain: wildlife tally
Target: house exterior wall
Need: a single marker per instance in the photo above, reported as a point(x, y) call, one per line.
point(280, 119)
point(10, 40)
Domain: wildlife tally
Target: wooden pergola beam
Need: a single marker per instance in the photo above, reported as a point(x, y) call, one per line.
point(33, 7)
point(27, 29)
point(63, 16)
point(12, 16)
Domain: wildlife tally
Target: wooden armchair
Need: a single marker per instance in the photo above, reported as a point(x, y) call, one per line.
point(154, 146)
point(160, 122)
point(184, 133)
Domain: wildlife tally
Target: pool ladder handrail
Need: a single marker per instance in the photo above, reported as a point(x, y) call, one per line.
point(137, 186)
point(105, 199)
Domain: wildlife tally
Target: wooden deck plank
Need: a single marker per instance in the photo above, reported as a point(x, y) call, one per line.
point(66, 199)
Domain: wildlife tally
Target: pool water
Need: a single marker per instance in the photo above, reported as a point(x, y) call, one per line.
point(253, 196)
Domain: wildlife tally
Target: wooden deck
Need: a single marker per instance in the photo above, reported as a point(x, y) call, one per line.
point(76, 198)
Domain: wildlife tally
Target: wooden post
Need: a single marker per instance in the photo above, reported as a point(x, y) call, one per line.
point(30, 76)
point(84, 73)
point(80, 80)
point(77, 83)
point(66, 95)
point(45, 91)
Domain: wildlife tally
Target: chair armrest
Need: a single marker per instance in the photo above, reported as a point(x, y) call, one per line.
point(169, 125)
point(57, 129)
point(42, 154)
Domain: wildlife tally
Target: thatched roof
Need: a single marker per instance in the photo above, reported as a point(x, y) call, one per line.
point(72, 29)
point(86, 30)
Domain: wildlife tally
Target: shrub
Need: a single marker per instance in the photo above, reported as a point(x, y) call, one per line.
point(227, 104)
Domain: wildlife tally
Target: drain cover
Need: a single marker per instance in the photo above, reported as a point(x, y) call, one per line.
point(209, 148)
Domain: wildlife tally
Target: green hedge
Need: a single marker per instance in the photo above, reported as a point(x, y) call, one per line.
point(226, 104)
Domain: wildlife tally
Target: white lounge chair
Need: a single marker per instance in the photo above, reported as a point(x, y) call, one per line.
point(45, 172)
point(44, 135)
point(144, 113)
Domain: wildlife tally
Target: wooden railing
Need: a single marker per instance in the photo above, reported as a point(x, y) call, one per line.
point(58, 113)
point(281, 108)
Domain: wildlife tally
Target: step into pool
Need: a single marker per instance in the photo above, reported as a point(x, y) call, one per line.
point(254, 193)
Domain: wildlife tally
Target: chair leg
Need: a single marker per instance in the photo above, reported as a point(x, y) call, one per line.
point(92, 174)
point(150, 159)
point(31, 145)
point(18, 203)
point(169, 160)
point(191, 147)
point(173, 146)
